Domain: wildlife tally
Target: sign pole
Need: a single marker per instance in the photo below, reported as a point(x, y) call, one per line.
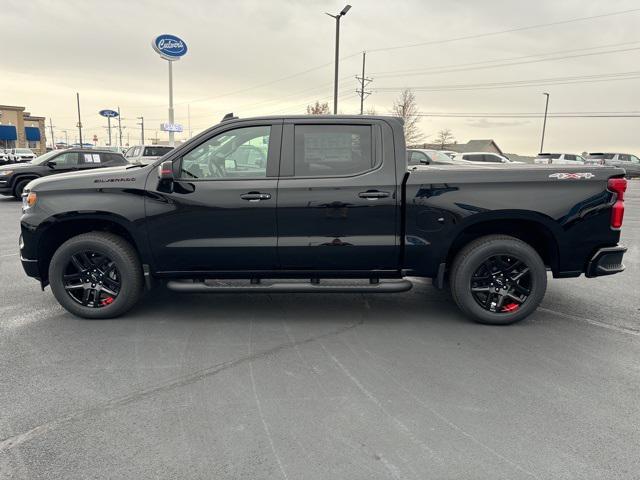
point(109, 128)
point(172, 142)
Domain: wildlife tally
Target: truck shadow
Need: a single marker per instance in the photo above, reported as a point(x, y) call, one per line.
point(423, 302)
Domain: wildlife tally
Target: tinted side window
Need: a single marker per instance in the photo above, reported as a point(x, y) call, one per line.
point(623, 157)
point(92, 159)
point(634, 159)
point(569, 157)
point(332, 150)
point(492, 158)
point(474, 158)
point(223, 157)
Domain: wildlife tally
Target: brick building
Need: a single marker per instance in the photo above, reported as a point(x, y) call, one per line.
point(20, 129)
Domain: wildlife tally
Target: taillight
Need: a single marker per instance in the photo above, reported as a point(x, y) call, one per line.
point(617, 186)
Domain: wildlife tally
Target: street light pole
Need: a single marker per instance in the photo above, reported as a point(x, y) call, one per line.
point(544, 124)
point(335, 77)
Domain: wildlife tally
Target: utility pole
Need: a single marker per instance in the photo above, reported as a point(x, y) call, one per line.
point(80, 122)
point(53, 140)
point(335, 78)
point(119, 128)
point(364, 81)
point(142, 127)
point(544, 124)
point(66, 137)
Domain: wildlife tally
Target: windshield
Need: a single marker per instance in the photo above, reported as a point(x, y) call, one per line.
point(43, 158)
point(439, 158)
point(156, 151)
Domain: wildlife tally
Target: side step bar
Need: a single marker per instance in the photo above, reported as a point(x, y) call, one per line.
point(188, 286)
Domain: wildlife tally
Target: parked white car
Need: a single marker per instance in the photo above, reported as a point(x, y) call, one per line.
point(558, 159)
point(482, 158)
point(18, 155)
point(146, 154)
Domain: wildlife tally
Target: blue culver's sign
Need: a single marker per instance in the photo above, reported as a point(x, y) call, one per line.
point(169, 47)
point(108, 113)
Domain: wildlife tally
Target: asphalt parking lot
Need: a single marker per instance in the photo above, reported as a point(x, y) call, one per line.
point(321, 386)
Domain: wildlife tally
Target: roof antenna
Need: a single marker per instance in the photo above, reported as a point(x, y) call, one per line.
point(229, 116)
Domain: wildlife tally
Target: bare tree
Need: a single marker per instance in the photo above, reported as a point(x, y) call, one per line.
point(318, 109)
point(371, 111)
point(444, 137)
point(406, 107)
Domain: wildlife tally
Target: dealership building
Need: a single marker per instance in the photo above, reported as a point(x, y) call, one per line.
point(20, 129)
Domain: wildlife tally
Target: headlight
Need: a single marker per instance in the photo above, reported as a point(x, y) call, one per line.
point(28, 200)
point(5, 173)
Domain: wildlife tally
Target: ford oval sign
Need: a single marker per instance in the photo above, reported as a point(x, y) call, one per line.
point(108, 113)
point(169, 47)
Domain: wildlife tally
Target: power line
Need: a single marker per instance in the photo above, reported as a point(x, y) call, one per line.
point(522, 83)
point(501, 32)
point(496, 63)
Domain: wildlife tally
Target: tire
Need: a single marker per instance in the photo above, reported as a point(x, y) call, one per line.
point(19, 188)
point(124, 261)
point(473, 258)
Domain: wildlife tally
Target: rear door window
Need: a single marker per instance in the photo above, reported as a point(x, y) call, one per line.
point(92, 159)
point(570, 157)
point(332, 150)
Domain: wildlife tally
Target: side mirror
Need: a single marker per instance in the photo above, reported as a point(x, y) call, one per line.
point(165, 171)
point(424, 161)
point(51, 164)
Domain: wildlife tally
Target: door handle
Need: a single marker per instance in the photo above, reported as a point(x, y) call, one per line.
point(373, 194)
point(255, 196)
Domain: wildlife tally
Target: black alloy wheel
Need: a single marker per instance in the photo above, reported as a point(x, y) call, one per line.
point(502, 284)
point(92, 279)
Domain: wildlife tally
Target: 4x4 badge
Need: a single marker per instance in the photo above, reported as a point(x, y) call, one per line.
point(572, 176)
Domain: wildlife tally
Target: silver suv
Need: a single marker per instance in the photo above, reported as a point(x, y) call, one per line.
point(146, 154)
point(629, 162)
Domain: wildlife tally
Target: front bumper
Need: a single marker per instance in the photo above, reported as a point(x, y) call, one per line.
point(606, 261)
point(5, 187)
point(30, 267)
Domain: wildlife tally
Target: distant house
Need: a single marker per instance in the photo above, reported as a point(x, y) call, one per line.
point(489, 146)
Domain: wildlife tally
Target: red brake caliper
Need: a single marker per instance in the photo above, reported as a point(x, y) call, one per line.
point(106, 301)
point(510, 307)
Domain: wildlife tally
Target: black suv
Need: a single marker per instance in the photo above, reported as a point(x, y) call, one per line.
point(14, 177)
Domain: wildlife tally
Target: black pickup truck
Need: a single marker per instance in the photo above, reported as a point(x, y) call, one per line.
point(327, 200)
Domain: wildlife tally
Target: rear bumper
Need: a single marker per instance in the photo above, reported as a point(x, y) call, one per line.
point(606, 261)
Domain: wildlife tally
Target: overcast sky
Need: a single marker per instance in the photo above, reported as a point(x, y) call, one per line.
point(238, 50)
